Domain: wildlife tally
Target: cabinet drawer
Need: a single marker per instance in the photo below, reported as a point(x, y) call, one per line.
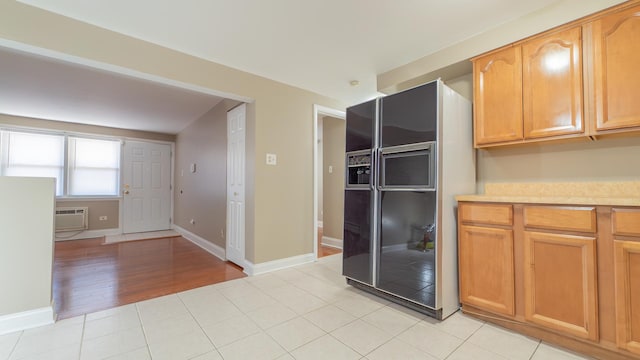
point(582, 219)
point(491, 214)
point(625, 222)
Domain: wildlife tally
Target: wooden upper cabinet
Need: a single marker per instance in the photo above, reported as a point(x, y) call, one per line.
point(616, 72)
point(498, 96)
point(552, 84)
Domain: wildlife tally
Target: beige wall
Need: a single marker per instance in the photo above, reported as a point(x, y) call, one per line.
point(202, 196)
point(97, 208)
point(613, 159)
point(280, 212)
point(333, 192)
point(26, 243)
point(463, 85)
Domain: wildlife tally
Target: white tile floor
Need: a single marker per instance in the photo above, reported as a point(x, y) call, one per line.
point(306, 312)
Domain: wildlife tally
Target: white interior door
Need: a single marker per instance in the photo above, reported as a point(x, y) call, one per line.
point(235, 184)
point(146, 189)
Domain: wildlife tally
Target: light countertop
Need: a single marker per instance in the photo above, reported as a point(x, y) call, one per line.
point(579, 193)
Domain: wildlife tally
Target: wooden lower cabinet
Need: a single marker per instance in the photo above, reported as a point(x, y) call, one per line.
point(560, 290)
point(627, 294)
point(566, 274)
point(486, 268)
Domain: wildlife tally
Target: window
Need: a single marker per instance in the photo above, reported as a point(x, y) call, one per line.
point(32, 154)
point(90, 167)
point(94, 166)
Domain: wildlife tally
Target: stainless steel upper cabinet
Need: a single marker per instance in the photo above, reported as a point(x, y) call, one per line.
point(361, 125)
point(410, 116)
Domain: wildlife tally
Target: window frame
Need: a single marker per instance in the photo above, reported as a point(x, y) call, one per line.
point(66, 170)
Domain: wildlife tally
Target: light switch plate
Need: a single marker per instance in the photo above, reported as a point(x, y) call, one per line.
point(272, 159)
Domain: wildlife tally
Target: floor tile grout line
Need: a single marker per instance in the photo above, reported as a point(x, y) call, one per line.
point(397, 337)
point(260, 329)
point(144, 332)
point(215, 348)
point(456, 349)
point(536, 349)
point(84, 326)
point(16, 344)
point(345, 344)
point(503, 329)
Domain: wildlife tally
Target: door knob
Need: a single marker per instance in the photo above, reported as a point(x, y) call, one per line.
point(126, 192)
point(235, 194)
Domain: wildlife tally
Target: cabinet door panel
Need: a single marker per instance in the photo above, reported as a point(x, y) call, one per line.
point(498, 96)
point(616, 77)
point(560, 283)
point(552, 84)
point(627, 270)
point(486, 268)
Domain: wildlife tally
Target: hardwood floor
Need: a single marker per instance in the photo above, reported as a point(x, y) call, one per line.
point(89, 275)
point(324, 250)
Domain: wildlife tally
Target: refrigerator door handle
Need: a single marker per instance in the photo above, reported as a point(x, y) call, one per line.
point(374, 171)
point(379, 173)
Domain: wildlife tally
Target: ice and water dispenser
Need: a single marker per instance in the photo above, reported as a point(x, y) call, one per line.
point(359, 169)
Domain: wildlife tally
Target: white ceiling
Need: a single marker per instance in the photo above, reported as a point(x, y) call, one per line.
point(315, 45)
point(39, 87)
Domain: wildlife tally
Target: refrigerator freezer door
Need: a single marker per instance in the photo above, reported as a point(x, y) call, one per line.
point(361, 123)
point(407, 236)
point(357, 252)
point(410, 116)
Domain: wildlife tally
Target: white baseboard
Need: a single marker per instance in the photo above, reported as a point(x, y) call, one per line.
point(86, 234)
point(333, 242)
point(208, 246)
point(269, 266)
point(26, 320)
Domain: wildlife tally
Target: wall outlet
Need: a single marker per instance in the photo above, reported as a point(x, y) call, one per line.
point(222, 233)
point(272, 159)
point(330, 169)
point(103, 218)
point(192, 222)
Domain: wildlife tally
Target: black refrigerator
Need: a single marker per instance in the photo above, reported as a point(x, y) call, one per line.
point(407, 155)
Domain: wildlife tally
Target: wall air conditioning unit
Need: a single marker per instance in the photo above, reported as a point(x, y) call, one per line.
point(72, 218)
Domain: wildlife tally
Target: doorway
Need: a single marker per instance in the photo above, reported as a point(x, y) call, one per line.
point(146, 189)
point(328, 182)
